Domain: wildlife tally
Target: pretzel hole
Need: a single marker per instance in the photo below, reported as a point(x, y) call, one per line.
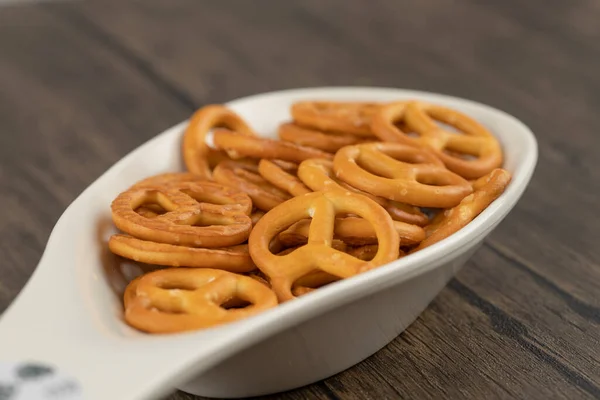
point(209, 198)
point(150, 210)
point(404, 128)
point(434, 179)
point(375, 169)
point(447, 127)
point(235, 303)
point(462, 156)
point(176, 285)
point(207, 219)
point(313, 280)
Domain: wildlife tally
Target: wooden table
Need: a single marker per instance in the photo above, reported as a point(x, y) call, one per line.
point(83, 83)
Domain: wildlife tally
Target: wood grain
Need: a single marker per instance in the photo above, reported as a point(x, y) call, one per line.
point(83, 83)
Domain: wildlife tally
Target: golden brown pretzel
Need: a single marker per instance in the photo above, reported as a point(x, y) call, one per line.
point(400, 172)
point(245, 177)
point(186, 299)
point(450, 221)
point(471, 154)
point(346, 117)
point(353, 231)
point(239, 145)
point(188, 204)
point(168, 178)
point(322, 206)
point(318, 174)
point(195, 150)
point(281, 179)
point(234, 258)
point(326, 141)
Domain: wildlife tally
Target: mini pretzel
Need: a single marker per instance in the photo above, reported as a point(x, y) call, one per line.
point(245, 178)
point(283, 271)
point(450, 221)
point(281, 179)
point(234, 258)
point(195, 150)
point(183, 299)
point(239, 145)
point(188, 205)
point(329, 142)
point(400, 172)
point(346, 117)
point(475, 141)
point(353, 231)
point(318, 175)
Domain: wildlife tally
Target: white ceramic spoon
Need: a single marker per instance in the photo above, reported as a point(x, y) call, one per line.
point(69, 313)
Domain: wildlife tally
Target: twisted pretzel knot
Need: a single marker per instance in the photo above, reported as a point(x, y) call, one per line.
point(400, 172)
point(223, 212)
point(471, 154)
point(318, 254)
point(196, 152)
point(181, 299)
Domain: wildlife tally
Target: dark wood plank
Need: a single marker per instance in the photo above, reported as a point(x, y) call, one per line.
point(520, 321)
point(69, 109)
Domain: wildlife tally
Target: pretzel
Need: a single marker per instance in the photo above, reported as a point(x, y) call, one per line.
point(318, 174)
point(326, 141)
point(471, 155)
point(353, 231)
point(188, 205)
point(168, 178)
point(346, 117)
point(234, 258)
point(238, 145)
point(245, 178)
point(281, 179)
point(400, 172)
point(450, 221)
point(195, 150)
point(283, 271)
point(183, 299)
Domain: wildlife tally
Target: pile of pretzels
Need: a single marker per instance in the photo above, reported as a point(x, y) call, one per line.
point(256, 222)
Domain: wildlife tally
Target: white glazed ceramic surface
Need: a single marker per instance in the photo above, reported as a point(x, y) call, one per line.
point(70, 315)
